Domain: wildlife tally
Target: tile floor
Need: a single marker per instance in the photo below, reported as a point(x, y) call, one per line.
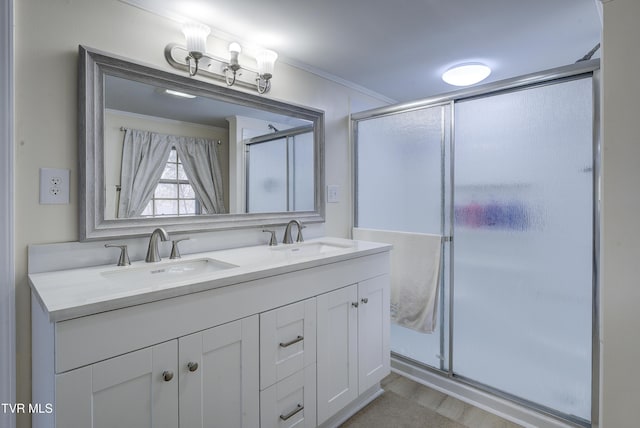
point(408, 404)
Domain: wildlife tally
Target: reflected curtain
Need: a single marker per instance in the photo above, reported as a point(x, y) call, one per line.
point(200, 161)
point(144, 155)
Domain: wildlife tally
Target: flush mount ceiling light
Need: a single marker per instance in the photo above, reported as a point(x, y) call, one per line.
point(466, 74)
point(194, 59)
point(178, 94)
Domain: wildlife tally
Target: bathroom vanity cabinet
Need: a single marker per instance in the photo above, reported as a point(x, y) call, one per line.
point(305, 344)
point(209, 375)
point(353, 343)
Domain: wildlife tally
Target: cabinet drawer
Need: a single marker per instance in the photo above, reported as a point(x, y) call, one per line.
point(290, 402)
point(287, 341)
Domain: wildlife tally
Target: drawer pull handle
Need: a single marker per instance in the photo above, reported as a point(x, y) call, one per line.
point(364, 300)
point(292, 413)
point(354, 304)
point(167, 375)
point(291, 342)
point(192, 366)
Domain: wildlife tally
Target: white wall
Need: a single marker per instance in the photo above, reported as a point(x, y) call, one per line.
point(620, 275)
point(47, 37)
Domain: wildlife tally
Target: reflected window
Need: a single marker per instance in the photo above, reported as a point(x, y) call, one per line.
point(173, 196)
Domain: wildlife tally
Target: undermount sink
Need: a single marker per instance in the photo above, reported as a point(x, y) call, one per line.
point(307, 249)
point(154, 273)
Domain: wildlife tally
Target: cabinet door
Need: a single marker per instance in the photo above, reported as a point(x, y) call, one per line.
point(337, 350)
point(290, 402)
point(373, 331)
point(222, 390)
point(287, 341)
point(126, 391)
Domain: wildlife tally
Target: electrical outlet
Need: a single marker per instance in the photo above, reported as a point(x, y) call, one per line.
point(54, 186)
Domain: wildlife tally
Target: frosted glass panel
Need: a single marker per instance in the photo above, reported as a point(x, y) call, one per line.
point(400, 187)
point(280, 175)
point(523, 244)
point(399, 178)
point(267, 177)
point(302, 179)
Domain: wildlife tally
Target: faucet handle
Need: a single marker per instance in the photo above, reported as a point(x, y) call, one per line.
point(299, 238)
point(273, 241)
point(175, 252)
point(124, 254)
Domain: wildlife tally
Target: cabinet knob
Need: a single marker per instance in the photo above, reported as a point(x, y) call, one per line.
point(167, 375)
point(192, 366)
point(364, 300)
point(354, 304)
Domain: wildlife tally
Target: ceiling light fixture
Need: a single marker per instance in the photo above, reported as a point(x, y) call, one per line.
point(178, 94)
point(195, 60)
point(466, 74)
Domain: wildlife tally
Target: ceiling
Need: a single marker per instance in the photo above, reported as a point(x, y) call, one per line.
point(400, 48)
point(130, 96)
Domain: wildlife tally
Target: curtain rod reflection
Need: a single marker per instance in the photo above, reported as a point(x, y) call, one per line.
point(122, 128)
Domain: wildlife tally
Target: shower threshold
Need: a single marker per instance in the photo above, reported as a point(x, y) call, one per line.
point(501, 404)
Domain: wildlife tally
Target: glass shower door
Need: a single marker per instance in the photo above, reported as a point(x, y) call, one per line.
point(402, 165)
point(523, 244)
point(301, 182)
point(267, 176)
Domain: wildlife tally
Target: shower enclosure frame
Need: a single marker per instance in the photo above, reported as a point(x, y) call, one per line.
point(287, 135)
point(578, 70)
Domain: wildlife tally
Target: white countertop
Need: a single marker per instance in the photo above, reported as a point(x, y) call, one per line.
point(75, 293)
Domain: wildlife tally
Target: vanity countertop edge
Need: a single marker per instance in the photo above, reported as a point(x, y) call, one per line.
point(75, 293)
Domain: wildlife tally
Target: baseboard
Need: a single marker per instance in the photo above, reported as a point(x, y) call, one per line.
point(354, 407)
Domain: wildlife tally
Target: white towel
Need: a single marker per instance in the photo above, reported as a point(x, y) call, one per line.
point(415, 276)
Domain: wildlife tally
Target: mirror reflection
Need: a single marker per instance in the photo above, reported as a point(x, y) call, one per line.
point(171, 153)
point(278, 168)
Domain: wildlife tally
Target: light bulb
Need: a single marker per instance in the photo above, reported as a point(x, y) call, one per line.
point(235, 47)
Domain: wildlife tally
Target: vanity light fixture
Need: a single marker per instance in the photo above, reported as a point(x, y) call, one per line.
point(195, 60)
point(266, 60)
point(196, 35)
point(234, 65)
point(466, 74)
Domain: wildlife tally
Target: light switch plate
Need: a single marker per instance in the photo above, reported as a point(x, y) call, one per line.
point(54, 186)
point(333, 193)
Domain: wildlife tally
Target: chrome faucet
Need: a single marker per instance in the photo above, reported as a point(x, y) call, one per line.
point(287, 232)
point(152, 253)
